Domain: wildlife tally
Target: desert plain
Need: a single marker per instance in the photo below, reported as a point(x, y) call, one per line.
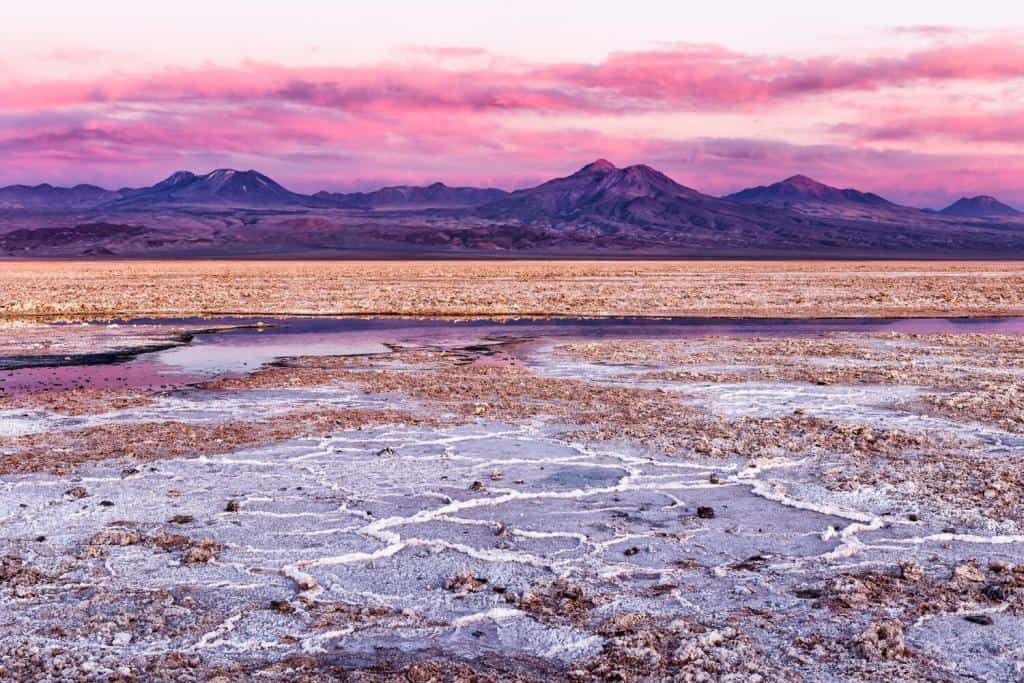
point(785, 289)
point(511, 470)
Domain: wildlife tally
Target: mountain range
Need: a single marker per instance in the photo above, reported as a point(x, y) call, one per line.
point(598, 210)
point(231, 188)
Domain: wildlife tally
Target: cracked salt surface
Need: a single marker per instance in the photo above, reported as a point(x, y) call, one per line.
point(389, 531)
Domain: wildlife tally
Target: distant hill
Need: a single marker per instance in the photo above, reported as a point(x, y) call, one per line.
point(979, 207)
point(800, 193)
point(50, 197)
point(434, 196)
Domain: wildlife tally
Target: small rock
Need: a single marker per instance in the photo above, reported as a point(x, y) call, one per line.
point(476, 486)
point(495, 475)
point(980, 619)
point(76, 492)
point(387, 451)
point(849, 591)
point(911, 571)
point(282, 606)
point(706, 512)
point(466, 582)
point(232, 506)
point(129, 472)
point(107, 503)
point(996, 591)
point(114, 536)
point(197, 556)
point(968, 572)
point(201, 553)
point(881, 641)
point(181, 519)
point(630, 551)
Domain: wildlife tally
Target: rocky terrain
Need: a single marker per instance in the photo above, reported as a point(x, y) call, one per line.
point(508, 503)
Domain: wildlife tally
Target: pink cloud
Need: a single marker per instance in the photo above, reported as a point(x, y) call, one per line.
point(686, 76)
point(710, 76)
point(459, 116)
point(998, 127)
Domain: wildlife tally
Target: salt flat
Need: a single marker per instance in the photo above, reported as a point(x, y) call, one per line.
point(542, 500)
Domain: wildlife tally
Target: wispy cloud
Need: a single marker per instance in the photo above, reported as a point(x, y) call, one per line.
point(683, 77)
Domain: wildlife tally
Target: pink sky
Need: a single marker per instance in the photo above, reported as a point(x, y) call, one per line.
point(324, 96)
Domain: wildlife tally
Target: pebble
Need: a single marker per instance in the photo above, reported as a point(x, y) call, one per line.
point(76, 492)
point(968, 572)
point(911, 571)
point(996, 592)
point(282, 606)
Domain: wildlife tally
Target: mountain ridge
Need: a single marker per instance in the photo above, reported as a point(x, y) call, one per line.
point(435, 195)
point(600, 210)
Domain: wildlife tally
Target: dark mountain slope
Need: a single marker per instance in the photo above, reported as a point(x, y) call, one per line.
point(982, 206)
point(222, 187)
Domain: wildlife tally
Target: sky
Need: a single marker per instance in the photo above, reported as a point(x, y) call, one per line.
point(922, 102)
